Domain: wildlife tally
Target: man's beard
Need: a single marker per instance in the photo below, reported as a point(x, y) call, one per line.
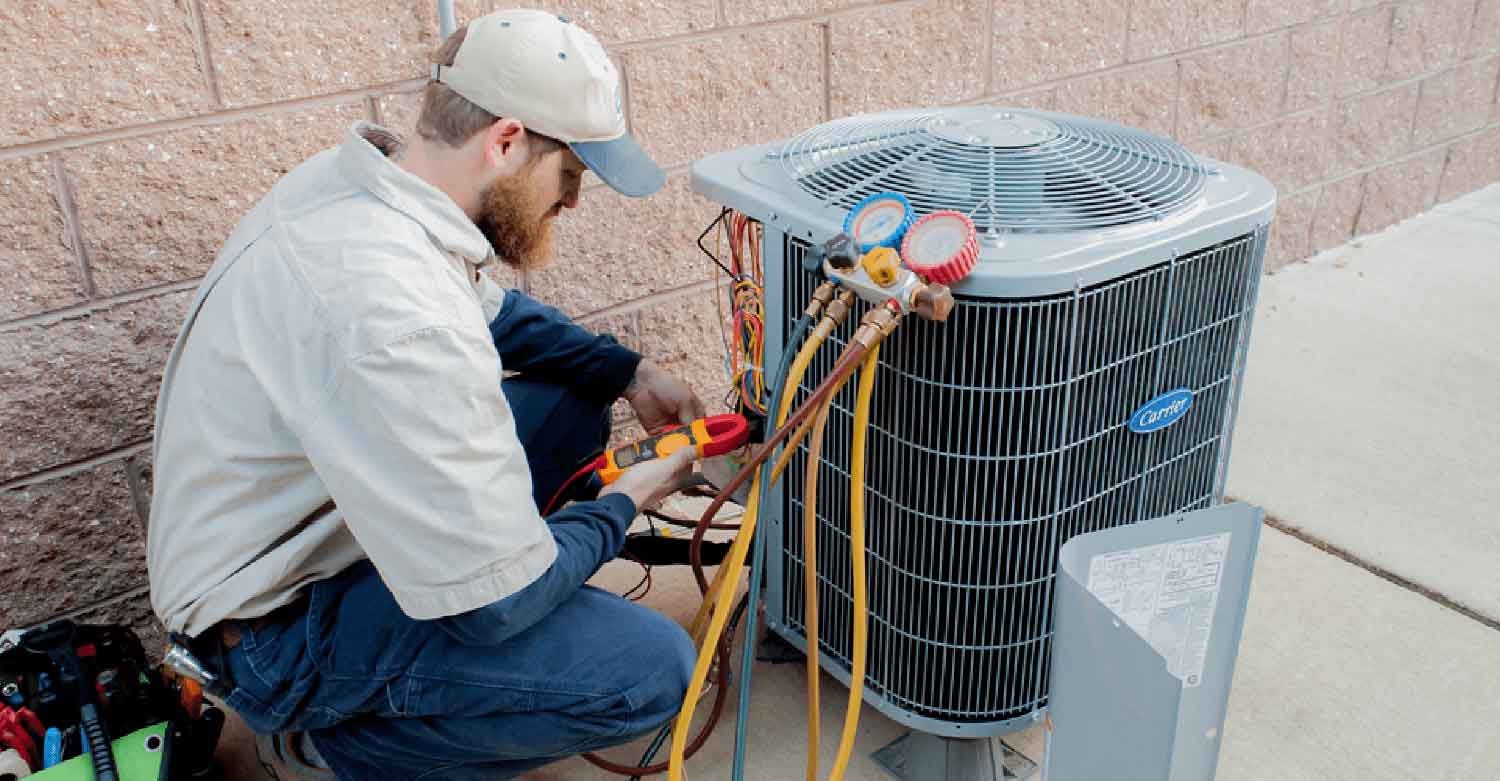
point(513, 221)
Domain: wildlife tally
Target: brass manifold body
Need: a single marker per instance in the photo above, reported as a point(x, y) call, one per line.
point(891, 281)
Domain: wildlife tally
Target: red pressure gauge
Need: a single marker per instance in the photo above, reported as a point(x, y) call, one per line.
point(942, 247)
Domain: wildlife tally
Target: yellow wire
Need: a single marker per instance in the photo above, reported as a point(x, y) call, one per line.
point(857, 560)
point(748, 308)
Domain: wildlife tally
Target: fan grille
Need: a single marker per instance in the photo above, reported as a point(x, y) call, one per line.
point(1011, 170)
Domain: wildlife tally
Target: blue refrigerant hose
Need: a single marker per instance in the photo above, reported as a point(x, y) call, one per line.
point(758, 553)
point(757, 561)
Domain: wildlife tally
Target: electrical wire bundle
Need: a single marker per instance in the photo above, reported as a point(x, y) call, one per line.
point(746, 296)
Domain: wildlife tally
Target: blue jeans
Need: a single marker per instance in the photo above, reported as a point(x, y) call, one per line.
point(388, 697)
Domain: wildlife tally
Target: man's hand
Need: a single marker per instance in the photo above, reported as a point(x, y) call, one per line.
point(661, 400)
point(649, 482)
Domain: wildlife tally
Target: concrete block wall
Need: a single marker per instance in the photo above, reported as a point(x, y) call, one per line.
point(133, 134)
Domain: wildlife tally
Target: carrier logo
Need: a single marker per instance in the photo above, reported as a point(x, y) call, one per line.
point(1162, 411)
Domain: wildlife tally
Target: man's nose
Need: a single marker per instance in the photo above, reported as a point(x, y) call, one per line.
point(570, 197)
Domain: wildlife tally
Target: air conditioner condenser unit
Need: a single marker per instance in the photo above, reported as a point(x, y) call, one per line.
point(1087, 378)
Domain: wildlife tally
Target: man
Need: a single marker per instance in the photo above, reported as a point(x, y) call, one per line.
point(346, 509)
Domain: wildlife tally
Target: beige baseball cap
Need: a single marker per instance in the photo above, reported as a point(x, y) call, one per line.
point(556, 79)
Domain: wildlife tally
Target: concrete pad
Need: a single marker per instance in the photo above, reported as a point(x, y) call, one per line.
point(1343, 675)
point(1485, 201)
point(777, 733)
point(236, 751)
point(1369, 416)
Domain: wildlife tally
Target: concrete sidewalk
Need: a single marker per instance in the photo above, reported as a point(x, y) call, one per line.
point(1370, 434)
point(1369, 430)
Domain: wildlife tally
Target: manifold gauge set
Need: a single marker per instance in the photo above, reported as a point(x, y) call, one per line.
point(881, 239)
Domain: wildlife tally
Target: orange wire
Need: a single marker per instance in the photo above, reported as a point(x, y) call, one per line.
point(747, 321)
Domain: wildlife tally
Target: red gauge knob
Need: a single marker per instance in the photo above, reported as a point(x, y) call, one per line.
point(942, 247)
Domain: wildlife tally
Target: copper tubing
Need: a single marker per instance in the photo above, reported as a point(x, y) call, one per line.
point(845, 366)
point(834, 315)
point(834, 312)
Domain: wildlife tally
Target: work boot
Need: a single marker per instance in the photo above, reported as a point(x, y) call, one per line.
point(291, 756)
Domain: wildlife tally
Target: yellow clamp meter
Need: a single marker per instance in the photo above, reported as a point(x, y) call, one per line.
point(711, 436)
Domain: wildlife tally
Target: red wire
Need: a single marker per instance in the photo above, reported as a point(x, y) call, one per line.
point(552, 505)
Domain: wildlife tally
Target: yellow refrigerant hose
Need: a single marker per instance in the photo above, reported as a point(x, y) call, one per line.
point(857, 561)
point(726, 581)
point(712, 614)
point(810, 585)
point(837, 311)
point(832, 319)
point(857, 552)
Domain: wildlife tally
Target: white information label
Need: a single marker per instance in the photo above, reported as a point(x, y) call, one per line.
point(1167, 593)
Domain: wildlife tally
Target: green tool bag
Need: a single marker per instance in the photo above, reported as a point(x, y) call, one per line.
point(69, 682)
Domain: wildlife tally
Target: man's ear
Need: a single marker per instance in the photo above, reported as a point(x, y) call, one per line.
point(502, 150)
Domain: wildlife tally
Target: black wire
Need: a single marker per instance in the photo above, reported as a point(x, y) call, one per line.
point(711, 256)
point(645, 579)
point(684, 523)
point(656, 744)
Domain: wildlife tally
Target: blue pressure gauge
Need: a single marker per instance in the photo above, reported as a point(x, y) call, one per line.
point(879, 220)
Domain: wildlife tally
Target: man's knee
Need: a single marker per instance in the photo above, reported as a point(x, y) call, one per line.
point(681, 656)
point(559, 430)
point(669, 656)
point(556, 418)
point(586, 423)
